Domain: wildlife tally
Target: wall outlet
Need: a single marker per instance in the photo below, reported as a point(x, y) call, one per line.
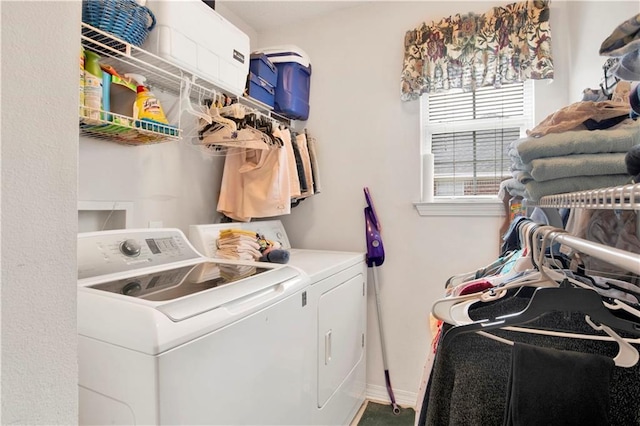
point(155, 224)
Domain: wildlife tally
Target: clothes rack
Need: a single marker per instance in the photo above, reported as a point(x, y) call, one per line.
point(620, 258)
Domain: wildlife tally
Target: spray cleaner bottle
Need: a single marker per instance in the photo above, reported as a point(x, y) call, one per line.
point(146, 106)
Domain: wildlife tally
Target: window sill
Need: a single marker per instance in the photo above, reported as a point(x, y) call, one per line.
point(452, 207)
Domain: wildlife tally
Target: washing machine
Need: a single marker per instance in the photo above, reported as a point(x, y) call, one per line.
point(168, 336)
point(337, 296)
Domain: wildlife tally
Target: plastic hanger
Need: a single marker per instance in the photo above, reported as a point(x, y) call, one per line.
point(454, 310)
point(185, 100)
point(459, 315)
point(243, 138)
point(627, 355)
point(561, 299)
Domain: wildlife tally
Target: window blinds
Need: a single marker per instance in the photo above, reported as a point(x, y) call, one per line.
point(469, 133)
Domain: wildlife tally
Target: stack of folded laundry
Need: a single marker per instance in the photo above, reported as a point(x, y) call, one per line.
point(569, 161)
point(583, 146)
point(238, 244)
point(248, 245)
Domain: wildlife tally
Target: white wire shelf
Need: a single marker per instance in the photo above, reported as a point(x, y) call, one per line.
point(127, 58)
point(120, 128)
point(625, 197)
point(160, 75)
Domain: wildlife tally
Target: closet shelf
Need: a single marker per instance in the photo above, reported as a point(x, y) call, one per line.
point(123, 129)
point(625, 197)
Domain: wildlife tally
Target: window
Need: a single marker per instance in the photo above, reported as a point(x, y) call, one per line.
point(468, 135)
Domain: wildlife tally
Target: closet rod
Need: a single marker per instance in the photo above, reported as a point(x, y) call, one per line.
point(623, 259)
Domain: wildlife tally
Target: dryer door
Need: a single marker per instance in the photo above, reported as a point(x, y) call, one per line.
point(341, 328)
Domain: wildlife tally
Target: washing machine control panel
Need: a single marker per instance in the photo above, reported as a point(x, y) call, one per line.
point(101, 253)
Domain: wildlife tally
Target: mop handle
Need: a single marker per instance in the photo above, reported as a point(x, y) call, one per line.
point(379, 306)
point(387, 378)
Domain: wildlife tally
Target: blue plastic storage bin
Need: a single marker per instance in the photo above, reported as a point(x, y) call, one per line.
point(261, 66)
point(294, 81)
point(261, 90)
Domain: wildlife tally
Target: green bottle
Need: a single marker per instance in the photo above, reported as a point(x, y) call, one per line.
point(92, 85)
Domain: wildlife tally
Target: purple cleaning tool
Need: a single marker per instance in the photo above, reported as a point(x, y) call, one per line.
point(375, 257)
point(375, 249)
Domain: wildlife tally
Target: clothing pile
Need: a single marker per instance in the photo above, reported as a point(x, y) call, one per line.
point(624, 45)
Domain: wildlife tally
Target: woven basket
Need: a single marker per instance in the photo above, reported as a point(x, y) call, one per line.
point(124, 19)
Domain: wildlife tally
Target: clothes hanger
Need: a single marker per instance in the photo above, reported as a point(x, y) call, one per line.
point(214, 113)
point(185, 100)
point(561, 299)
point(454, 310)
point(459, 314)
point(243, 138)
point(489, 270)
point(523, 263)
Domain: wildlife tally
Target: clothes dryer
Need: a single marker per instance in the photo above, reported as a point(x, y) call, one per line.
point(337, 297)
point(167, 336)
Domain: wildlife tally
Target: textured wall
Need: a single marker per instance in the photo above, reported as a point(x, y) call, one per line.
point(39, 179)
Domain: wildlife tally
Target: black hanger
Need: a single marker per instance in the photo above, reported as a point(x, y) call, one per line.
point(552, 299)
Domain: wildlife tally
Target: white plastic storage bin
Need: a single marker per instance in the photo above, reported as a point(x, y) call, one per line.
point(294, 80)
point(194, 36)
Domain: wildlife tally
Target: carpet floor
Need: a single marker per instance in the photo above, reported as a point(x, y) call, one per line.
point(382, 415)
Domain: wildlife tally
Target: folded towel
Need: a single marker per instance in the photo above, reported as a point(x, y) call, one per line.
point(535, 190)
point(616, 139)
point(543, 169)
point(557, 387)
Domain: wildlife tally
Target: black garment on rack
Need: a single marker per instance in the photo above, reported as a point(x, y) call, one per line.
point(551, 387)
point(469, 380)
point(302, 177)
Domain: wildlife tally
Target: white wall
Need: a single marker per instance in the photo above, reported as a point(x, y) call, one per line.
point(39, 177)
point(368, 137)
point(591, 23)
point(172, 183)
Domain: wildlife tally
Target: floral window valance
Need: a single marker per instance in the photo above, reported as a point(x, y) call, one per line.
point(508, 44)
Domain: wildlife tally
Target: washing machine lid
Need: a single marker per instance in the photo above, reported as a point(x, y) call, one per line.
point(186, 291)
point(165, 309)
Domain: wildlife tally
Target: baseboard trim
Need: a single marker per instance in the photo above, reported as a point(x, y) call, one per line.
point(379, 394)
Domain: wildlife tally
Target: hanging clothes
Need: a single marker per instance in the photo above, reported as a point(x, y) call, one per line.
point(302, 178)
point(301, 142)
point(469, 381)
point(294, 182)
point(255, 183)
point(315, 169)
